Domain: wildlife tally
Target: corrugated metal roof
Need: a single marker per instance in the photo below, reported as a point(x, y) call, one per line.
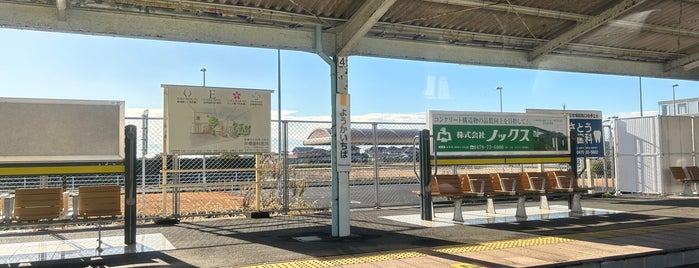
point(647, 31)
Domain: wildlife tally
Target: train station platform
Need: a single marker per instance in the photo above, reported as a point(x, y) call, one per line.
point(615, 232)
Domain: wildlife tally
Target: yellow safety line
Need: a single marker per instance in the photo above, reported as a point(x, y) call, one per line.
point(60, 170)
point(494, 245)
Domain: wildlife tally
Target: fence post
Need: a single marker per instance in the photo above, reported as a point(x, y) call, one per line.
point(285, 165)
point(258, 190)
point(176, 190)
point(376, 163)
point(425, 174)
point(144, 152)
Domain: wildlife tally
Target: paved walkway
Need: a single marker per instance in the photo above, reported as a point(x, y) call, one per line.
point(619, 232)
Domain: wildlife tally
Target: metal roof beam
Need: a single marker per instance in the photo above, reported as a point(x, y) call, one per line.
point(226, 10)
point(556, 14)
point(504, 7)
point(359, 24)
point(687, 63)
point(460, 38)
point(437, 52)
point(584, 27)
point(160, 27)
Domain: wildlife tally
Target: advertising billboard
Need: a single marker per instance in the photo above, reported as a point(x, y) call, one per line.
point(60, 131)
point(459, 133)
point(587, 128)
point(210, 120)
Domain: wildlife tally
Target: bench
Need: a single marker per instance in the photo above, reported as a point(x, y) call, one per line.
point(41, 204)
point(433, 188)
point(565, 182)
point(489, 186)
point(99, 201)
point(680, 175)
point(102, 203)
point(484, 184)
point(457, 188)
point(521, 185)
point(453, 188)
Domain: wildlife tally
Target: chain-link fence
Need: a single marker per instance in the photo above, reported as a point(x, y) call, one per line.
point(294, 178)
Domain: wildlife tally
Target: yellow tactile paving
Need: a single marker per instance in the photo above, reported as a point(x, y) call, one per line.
point(465, 248)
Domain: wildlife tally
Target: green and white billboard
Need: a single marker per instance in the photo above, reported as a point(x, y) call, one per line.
point(458, 133)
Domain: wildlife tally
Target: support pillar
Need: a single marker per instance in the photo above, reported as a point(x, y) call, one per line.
point(129, 186)
point(425, 177)
point(340, 143)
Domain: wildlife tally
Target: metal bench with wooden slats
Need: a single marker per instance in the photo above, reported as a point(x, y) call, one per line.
point(679, 174)
point(567, 182)
point(515, 185)
point(101, 203)
point(533, 182)
point(536, 182)
point(433, 188)
point(483, 184)
point(564, 181)
point(505, 183)
point(41, 204)
point(452, 187)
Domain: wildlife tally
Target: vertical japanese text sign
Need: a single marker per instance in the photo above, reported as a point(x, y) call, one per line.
point(343, 131)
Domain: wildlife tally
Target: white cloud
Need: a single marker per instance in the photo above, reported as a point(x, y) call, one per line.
point(634, 114)
point(386, 117)
point(138, 112)
point(290, 115)
point(372, 117)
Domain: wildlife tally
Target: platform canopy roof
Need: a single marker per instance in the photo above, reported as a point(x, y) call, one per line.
point(652, 38)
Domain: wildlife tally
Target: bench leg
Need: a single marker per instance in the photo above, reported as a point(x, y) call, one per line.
point(75, 207)
point(7, 207)
point(99, 238)
point(521, 208)
point(575, 205)
point(687, 188)
point(491, 207)
point(544, 203)
point(458, 216)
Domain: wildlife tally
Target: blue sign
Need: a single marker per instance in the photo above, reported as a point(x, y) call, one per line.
point(589, 137)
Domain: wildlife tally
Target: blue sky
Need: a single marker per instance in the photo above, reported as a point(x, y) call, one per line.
point(68, 66)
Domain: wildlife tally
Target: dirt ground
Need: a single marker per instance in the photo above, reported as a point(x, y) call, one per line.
point(190, 203)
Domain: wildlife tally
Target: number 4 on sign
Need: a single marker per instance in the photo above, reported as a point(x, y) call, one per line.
point(342, 61)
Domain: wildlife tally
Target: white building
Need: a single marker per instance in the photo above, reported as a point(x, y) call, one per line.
point(683, 106)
